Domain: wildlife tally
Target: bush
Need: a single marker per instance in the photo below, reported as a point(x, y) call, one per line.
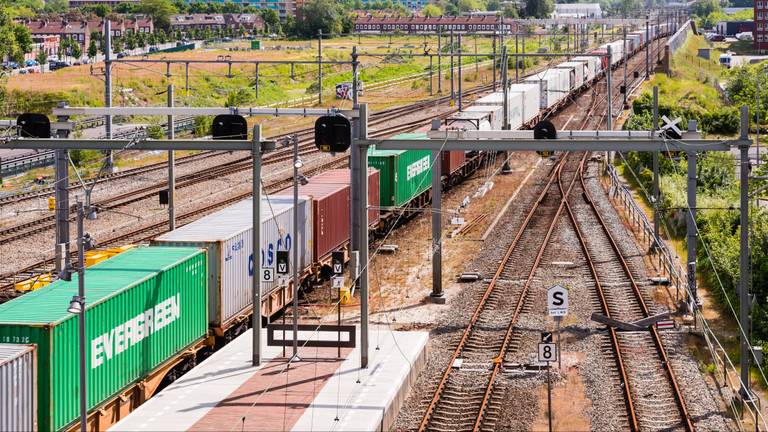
point(203, 125)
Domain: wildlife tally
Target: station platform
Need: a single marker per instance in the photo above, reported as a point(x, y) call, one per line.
point(322, 392)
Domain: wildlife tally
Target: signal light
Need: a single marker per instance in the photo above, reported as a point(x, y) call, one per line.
point(545, 130)
point(33, 125)
point(333, 134)
point(229, 127)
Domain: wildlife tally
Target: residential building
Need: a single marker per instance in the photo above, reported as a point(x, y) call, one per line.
point(283, 7)
point(430, 25)
point(412, 4)
point(213, 22)
point(577, 10)
point(47, 44)
point(81, 30)
point(111, 3)
point(761, 26)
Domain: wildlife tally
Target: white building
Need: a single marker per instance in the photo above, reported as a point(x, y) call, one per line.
point(577, 10)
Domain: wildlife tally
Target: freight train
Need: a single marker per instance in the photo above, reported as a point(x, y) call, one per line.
point(152, 311)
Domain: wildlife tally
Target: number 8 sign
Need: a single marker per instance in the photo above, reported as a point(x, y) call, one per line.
point(547, 352)
point(268, 274)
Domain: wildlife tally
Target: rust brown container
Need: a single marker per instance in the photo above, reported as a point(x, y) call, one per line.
point(341, 176)
point(451, 161)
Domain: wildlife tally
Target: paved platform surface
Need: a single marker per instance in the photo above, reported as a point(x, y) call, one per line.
point(322, 392)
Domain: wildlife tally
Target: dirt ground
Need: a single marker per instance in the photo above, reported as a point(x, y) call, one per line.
point(400, 283)
point(570, 406)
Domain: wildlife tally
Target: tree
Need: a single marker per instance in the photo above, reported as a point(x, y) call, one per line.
point(271, 20)
point(703, 8)
point(15, 40)
point(470, 5)
point(539, 8)
point(42, 58)
point(317, 15)
point(76, 50)
point(431, 10)
point(160, 11)
point(510, 11)
point(130, 40)
point(117, 45)
point(493, 5)
point(92, 49)
point(100, 10)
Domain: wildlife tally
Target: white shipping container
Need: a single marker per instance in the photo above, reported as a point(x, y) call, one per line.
point(525, 104)
point(554, 85)
point(578, 70)
point(18, 387)
point(494, 110)
point(617, 53)
point(592, 66)
point(227, 235)
point(497, 99)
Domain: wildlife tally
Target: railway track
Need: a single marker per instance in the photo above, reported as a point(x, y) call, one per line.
point(463, 397)
point(142, 234)
point(653, 397)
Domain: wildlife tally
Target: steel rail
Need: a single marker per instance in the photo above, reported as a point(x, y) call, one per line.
point(481, 304)
point(680, 401)
point(625, 384)
point(499, 359)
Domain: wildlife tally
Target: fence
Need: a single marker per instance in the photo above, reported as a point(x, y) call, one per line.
point(675, 42)
point(725, 373)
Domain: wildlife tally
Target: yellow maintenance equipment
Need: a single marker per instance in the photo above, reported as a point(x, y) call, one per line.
point(34, 283)
point(51, 203)
point(344, 295)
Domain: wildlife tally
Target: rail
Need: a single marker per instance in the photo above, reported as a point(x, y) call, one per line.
point(725, 370)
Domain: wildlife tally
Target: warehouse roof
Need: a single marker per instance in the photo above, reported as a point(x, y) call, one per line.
point(49, 304)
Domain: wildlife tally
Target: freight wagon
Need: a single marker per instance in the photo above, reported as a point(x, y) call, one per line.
point(405, 175)
point(577, 70)
point(226, 235)
point(18, 390)
point(496, 99)
point(554, 86)
point(342, 176)
point(146, 313)
point(593, 67)
point(527, 97)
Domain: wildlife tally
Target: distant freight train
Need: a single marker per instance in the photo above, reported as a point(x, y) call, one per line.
point(152, 310)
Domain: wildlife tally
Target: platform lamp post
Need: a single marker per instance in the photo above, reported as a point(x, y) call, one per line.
point(77, 306)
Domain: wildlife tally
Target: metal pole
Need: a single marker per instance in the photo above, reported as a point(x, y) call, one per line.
point(757, 118)
point(690, 226)
point(624, 40)
point(609, 112)
point(493, 44)
point(108, 85)
point(437, 255)
point(505, 168)
point(171, 167)
point(363, 214)
point(431, 76)
point(523, 48)
point(256, 248)
point(439, 61)
point(355, 167)
point(549, 395)
point(62, 199)
point(320, 67)
point(186, 78)
point(658, 40)
point(744, 303)
point(517, 60)
point(647, 47)
point(477, 67)
point(656, 195)
point(257, 81)
point(295, 249)
point(81, 295)
point(460, 64)
point(453, 92)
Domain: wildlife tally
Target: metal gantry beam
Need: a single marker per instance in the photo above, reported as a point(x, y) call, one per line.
point(202, 111)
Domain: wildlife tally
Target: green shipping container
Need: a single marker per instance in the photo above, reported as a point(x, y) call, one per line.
point(143, 306)
point(404, 173)
point(255, 45)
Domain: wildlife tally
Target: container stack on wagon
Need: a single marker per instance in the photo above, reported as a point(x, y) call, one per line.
point(18, 389)
point(227, 236)
point(405, 174)
point(342, 176)
point(144, 307)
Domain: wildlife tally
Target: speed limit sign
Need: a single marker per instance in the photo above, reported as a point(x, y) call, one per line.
point(547, 352)
point(268, 274)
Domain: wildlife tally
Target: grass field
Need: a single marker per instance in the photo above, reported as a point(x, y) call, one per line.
point(143, 84)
